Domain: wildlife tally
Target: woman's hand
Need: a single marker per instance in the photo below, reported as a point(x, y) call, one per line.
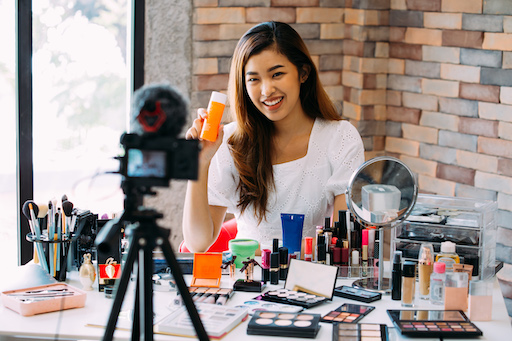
point(208, 149)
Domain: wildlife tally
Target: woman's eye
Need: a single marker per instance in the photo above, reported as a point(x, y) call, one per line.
point(252, 79)
point(277, 74)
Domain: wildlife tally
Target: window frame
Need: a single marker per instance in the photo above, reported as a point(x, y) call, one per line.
point(24, 104)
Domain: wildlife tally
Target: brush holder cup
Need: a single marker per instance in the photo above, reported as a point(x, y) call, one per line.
point(56, 252)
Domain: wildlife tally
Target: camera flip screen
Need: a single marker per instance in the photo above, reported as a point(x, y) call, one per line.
point(147, 163)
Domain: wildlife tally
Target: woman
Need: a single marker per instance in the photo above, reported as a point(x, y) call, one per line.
point(288, 151)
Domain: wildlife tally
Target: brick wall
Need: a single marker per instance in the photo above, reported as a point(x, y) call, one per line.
point(429, 82)
point(449, 109)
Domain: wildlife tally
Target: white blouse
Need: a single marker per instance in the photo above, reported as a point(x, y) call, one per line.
point(304, 186)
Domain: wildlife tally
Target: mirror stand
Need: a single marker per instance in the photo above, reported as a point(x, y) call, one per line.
point(380, 283)
point(380, 194)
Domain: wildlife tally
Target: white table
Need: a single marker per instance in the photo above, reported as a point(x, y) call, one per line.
point(70, 324)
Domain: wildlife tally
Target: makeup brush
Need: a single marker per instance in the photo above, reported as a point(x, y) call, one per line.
point(42, 216)
point(26, 212)
point(67, 207)
point(30, 210)
point(43, 210)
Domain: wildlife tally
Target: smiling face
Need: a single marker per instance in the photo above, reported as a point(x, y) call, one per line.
point(273, 84)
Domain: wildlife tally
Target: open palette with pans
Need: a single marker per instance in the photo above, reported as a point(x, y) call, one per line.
point(293, 297)
point(256, 304)
point(284, 324)
point(348, 313)
point(434, 323)
point(359, 332)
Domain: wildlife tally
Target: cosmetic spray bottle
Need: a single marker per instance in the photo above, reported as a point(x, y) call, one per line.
point(408, 283)
point(396, 277)
point(437, 280)
point(425, 268)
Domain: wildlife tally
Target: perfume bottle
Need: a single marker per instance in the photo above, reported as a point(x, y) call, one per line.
point(86, 273)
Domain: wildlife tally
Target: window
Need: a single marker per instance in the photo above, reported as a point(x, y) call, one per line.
point(8, 230)
point(80, 101)
point(80, 94)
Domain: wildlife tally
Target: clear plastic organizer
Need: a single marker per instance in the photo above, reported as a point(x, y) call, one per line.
point(469, 223)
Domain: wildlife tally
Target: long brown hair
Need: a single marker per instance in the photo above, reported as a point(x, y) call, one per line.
point(251, 143)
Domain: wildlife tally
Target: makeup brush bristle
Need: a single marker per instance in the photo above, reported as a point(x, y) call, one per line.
point(67, 207)
point(64, 198)
point(26, 209)
point(43, 210)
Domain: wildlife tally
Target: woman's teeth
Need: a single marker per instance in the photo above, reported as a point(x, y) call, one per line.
point(274, 102)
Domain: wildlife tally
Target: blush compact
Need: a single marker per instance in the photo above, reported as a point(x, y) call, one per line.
point(284, 324)
point(434, 323)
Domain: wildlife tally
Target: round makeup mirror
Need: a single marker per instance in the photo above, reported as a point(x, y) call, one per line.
point(382, 192)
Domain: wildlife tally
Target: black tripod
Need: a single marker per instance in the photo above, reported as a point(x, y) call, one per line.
point(144, 236)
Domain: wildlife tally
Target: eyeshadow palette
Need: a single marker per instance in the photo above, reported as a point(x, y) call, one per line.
point(359, 332)
point(217, 320)
point(293, 297)
point(357, 294)
point(284, 324)
point(434, 323)
point(348, 313)
point(206, 295)
point(256, 304)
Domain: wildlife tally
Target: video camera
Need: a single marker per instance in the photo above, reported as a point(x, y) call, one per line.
point(154, 160)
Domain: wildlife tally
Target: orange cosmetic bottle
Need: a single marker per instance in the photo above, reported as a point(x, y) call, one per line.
point(215, 110)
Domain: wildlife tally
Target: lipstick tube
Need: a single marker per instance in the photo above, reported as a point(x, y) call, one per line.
point(265, 265)
point(308, 249)
point(283, 263)
point(274, 268)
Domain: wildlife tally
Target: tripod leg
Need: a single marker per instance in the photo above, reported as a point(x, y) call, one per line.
point(136, 311)
point(146, 290)
point(121, 286)
point(182, 287)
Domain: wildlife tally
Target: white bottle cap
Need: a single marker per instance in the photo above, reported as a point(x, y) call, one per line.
point(448, 247)
point(218, 97)
point(355, 257)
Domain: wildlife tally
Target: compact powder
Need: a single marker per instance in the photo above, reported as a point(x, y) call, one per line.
point(283, 322)
point(299, 323)
point(305, 317)
point(266, 315)
point(263, 321)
